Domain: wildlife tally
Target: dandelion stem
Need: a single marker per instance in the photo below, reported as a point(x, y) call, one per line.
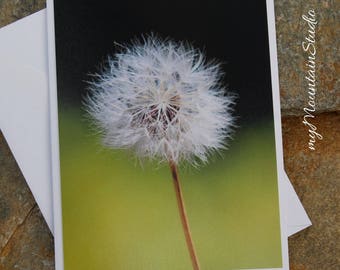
point(183, 216)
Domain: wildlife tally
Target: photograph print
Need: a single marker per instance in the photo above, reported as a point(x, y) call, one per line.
point(166, 136)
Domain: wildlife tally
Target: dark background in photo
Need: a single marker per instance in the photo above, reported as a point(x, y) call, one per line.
point(233, 32)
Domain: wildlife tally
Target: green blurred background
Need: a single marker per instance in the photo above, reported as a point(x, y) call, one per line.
point(121, 214)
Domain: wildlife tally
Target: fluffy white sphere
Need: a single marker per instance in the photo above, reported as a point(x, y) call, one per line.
point(161, 99)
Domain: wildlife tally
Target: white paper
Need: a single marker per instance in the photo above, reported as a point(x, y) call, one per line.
point(296, 215)
point(24, 111)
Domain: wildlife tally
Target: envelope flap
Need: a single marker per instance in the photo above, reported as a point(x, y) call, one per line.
point(24, 122)
point(25, 41)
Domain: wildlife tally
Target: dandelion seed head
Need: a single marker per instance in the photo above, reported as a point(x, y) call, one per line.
point(163, 100)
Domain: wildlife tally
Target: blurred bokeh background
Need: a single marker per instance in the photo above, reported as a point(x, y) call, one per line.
point(119, 214)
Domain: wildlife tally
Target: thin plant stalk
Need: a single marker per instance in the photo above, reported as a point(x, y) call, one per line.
point(183, 216)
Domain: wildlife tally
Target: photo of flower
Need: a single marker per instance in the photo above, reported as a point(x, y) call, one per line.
point(166, 133)
point(160, 99)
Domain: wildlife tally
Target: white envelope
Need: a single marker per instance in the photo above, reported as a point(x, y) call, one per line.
point(24, 110)
point(24, 115)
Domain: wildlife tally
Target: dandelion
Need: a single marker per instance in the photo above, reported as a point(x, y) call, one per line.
point(164, 101)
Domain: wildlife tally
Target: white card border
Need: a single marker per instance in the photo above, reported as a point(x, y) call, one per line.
point(54, 128)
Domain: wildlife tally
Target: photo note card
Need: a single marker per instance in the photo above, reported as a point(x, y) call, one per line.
point(165, 140)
